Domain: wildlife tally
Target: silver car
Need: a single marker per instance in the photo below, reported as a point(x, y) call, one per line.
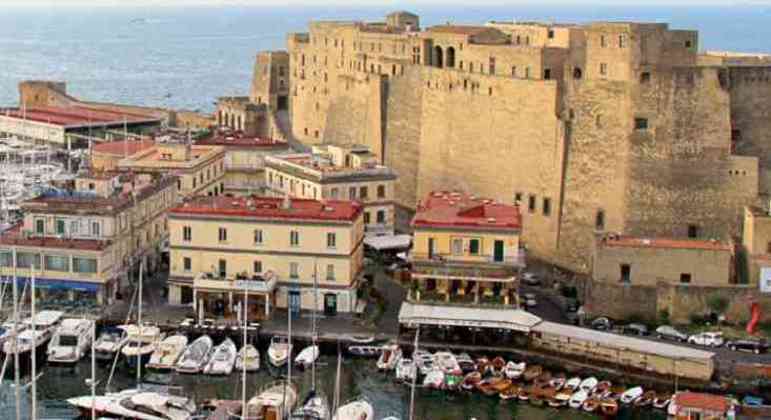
point(670, 333)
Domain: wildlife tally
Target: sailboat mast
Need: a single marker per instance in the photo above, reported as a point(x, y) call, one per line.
point(243, 363)
point(16, 379)
point(93, 370)
point(313, 323)
point(33, 350)
point(139, 322)
point(414, 376)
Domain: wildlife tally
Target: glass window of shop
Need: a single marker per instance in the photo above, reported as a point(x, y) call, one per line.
point(27, 260)
point(6, 259)
point(84, 265)
point(57, 262)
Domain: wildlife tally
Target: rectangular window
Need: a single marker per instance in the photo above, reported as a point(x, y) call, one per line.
point(294, 270)
point(84, 265)
point(40, 226)
point(492, 65)
point(363, 193)
point(257, 266)
point(27, 260)
point(96, 229)
point(546, 206)
point(381, 191)
point(621, 41)
point(531, 203)
point(294, 238)
point(457, 246)
point(352, 193)
point(603, 69)
point(685, 278)
point(693, 231)
point(768, 248)
point(602, 41)
point(640, 123)
point(330, 271)
point(258, 236)
point(187, 264)
point(380, 216)
point(6, 259)
point(550, 34)
point(57, 263)
point(59, 227)
point(473, 246)
point(223, 234)
point(513, 71)
point(645, 77)
point(599, 220)
point(331, 240)
point(187, 233)
point(626, 273)
point(546, 74)
point(366, 217)
point(517, 198)
point(334, 193)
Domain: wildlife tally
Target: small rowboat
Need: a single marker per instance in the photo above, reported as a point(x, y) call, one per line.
point(502, 385)
point(558, 381)
point(493, 386)
point(483, 365)
point(470, 381)
point(509, 393)
point(523, 394)
point(532, 372)
point(560, 399)
point(573, 383)
point(543, 379)
point(498, 364)
point(602, 388)
point(514, 370)
point(591, 405)
point(608, 407)
point(631, 395)
point(646, 399)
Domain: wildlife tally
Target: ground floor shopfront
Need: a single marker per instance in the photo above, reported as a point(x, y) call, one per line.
point(64, 292)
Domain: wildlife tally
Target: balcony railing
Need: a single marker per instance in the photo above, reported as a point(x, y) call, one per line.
point(264, 283)
point(466, 258)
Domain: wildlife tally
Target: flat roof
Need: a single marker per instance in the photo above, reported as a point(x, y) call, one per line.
point(123, 147)
point(664, 243)
point(271, 208)
point(467, 316)
point(622, 341)
point(151, 158)
point(14, 237)
point(240, 140)
point(453, 209)
point(388, 242)
point(323, 169)
point(77, 116)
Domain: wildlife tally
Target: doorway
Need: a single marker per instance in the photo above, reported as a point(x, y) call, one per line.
point(330, 304)
point(498, 251)
point(294, 301)
point(283, 103)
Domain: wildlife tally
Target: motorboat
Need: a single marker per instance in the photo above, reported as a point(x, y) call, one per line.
point(662, 401)
point(602, 389)
point(248, 357)
point(29, 339)
point(532, 372)
point(493, 385)
point(523, 394)
point(543, 379)
point(275, 401)
point(196, 355)
point(389, 357)
point(573, 383)
point(588, 384)
point(590, 405)
point(315, 407)
point(222, 360)
point(279, 350)
point(141, 344)
point(514, 370)
point(406, 370)
point(577, 399)
point(645, 399)
point(434, 379)
point(471, 380)
point(109, 343)
point(558, 381)
point(631, 395)
point(307, 356)
point(424, 360)
point(365, 351)
point(609, 408)
point(136, 404)
point(466, 363)
point(560, 399)
point(614, 393)
point(498, 364)
point(71, 341)
point(509, 393)
point(484, 366)
point(168, 352)
point(359, 409)
point(446, 361)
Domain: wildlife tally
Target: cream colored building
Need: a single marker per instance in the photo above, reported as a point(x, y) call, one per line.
point(200, 170)
point(756, 244)
point(90, 239)
point(466, 250)
point(337, 173)
point(271, 247)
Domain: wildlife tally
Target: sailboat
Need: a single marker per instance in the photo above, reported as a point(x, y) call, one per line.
point(273, 402)
point(136, 404)
point(110, 342)
point(248, 359)
point(196, 355)
point(70, 341)
point(222, 360)
point(168, 352)
point(279, 350)
point(357, 409)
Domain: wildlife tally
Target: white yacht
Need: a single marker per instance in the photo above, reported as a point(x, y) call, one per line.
point(275, 401)
point(424, 360)
point(168, 352)
point(406, 370)
point(279, 351)
point(222, 359)
point(28, 339)
point(315, 407)
point(71, 341)
point(136, 404)
point(109, 343)
point(359, 409)
point(445, 361)
point(248, 357)
point(141, 343)
point(195, 356)
point(389, 357)
point(307, 356)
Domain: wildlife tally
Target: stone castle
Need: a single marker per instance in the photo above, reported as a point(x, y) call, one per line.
point(598, 127)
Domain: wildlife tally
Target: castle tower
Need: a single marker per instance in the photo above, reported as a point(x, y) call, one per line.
point(270, 82)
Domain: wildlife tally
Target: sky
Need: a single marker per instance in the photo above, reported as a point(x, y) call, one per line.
point(360, 3)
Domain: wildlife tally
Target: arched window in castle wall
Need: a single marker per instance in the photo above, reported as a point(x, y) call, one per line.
point(450, 61)
point(577, 74)
point(438, 56)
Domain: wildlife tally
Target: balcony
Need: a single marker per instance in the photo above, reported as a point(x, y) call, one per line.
point(470, 267)
point(263, 283)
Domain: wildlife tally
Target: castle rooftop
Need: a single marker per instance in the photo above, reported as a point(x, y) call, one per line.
point(452, 209)
point(270, 208)
point(664, 243)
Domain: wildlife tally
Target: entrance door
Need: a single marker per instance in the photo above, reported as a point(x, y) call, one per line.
point(294, 301)
point(430, 248)
point(330, 304)
point(498, 251)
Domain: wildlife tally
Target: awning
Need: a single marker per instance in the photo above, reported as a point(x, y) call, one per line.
point(414, 314)
point(56, 284)
point(386, 242)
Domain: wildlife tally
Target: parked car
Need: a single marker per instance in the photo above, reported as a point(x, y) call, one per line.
point(530, 278)
point(602, 323)
point(634, 329)
point(753, 346)
point(712, 339)
point(572, 305)
point(529, 299)
point(670, 333)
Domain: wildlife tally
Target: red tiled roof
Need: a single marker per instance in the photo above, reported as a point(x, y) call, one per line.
point(14, 236)
point(270, 208)
point(76, 116)
point(121, 148)
point(454, 209)
point(702, 401)
point(670, 243)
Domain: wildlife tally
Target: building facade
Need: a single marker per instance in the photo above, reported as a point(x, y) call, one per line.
point(276, 249)
point(92, 238)
point(337, 173)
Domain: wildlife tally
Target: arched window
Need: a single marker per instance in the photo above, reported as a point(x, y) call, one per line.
point(577, 74)
point(438, 58)
point(450, 61)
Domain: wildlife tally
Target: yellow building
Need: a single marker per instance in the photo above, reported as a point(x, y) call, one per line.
point(756, 244)
point(88, 240)
point(466, 250)
point(273, 248)
point(337, 172)
point(200, 169)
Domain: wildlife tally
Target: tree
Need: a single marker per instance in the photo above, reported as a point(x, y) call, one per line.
point(717, 303)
